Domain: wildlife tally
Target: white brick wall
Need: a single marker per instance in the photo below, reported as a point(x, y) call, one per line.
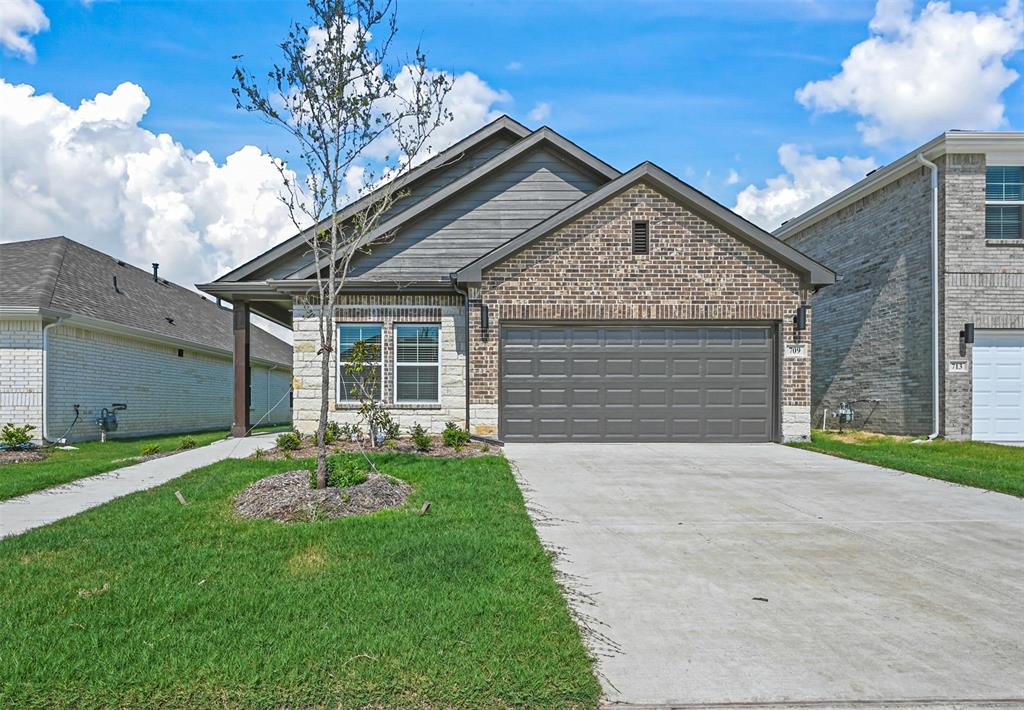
point(21, 368)
point(306, 367)
point(164, 393)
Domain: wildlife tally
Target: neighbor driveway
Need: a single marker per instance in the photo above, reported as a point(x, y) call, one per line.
point(756, 573)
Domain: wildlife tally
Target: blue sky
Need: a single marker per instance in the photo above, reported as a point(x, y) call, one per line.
point(707, 89)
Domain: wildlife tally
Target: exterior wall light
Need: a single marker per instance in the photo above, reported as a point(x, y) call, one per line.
point(800, 319)
point(485, 319)
point(968, 333)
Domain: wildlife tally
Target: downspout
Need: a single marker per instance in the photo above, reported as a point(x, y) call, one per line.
point(45, 433)
point(935, 293)
point(465, 304)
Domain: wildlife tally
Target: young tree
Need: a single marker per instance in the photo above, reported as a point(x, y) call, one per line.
point(343, 97)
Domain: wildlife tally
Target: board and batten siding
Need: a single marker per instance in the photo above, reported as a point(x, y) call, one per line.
point(421, 189)
point(164, 393)
point(481, 218)
point(21, 373)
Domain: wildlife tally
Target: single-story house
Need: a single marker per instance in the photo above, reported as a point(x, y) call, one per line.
point(81, 332)
point(924, 332)
point(533, 292)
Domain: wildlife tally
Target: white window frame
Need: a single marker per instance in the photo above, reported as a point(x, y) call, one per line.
point(347, 398)
point(1019, 204)
point(394, 374)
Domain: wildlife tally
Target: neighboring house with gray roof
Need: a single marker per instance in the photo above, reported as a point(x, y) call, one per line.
point(81, 331)
point(529, 290)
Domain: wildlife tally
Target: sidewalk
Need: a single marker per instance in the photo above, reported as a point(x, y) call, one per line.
point(44, 507)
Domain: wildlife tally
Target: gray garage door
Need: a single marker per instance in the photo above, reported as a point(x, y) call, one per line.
point(636, 383)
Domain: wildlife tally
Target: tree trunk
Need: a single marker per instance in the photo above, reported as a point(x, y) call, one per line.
point(321, 429)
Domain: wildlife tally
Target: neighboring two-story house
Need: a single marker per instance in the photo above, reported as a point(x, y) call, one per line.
point(874, 346)
point(533, 292)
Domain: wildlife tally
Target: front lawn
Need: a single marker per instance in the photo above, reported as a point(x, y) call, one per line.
point(90, 457)
point(144, 603)
point(972, 463)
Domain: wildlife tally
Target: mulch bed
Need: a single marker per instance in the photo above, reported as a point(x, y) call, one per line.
point(7, 457)
point(288, 498)
point(403, 446)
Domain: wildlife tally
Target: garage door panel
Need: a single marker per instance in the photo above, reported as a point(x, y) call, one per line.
point(637, 383)
point(998, 385)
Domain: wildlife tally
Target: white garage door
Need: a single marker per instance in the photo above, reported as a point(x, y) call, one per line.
point(999, 385)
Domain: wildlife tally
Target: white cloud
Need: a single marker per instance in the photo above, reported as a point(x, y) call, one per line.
point(514, 66)
point(540, 111)
point(918, 76)
point(732, 178)
point(19, 20)
point(93, 174)
point(808, 180)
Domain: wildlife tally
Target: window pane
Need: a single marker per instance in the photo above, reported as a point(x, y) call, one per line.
point(1002, 222)
point(417, 344)
point(1004, 183)
point(417, 383)
point(348, 384)
point(350, 334)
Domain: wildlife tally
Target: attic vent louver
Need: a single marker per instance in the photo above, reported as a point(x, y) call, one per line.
point(641, 238)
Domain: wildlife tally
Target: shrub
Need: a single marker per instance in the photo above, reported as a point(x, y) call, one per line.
point(16, 437)
point(289, 441)
point(455, 436)
point(342, 472)
point(150, 450)
point(420, 438)
point(389, 428)
point(332, 433)
point(259, 454)
point(188, 442)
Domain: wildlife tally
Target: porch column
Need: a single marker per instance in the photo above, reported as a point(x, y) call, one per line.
point(243, 396)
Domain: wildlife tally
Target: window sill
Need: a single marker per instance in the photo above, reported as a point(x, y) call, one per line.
point(1004, 242)
point(354, 406)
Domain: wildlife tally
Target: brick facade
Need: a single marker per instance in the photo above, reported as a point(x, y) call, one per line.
point(165, 393)
point(587, 271)
point(873, 343)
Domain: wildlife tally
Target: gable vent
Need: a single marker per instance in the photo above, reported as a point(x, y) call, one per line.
point(641, 238)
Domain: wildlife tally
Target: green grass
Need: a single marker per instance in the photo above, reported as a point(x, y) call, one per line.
point(90, 458)
point(971, 463)
point(144, 603)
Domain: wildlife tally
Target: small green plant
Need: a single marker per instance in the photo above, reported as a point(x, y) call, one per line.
point(332, 433)
point(188, 442)
point(289, 441)
point(454, 436)
point(16, 437)
point(342, 472)
point(390, 445)
point(150, 450)
point(420, 438)
point(259, 454)
point(388, 427)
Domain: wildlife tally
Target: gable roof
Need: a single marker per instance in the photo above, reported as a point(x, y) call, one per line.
point(64, 277)
point(504, 125)
point(542, 136)
point(815, 273)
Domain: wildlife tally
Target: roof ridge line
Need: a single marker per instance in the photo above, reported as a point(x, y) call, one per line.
point(59, 265)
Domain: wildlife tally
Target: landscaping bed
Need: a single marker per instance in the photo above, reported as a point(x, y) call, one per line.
point(147, 603)
point(970, 463)
point(288, 497)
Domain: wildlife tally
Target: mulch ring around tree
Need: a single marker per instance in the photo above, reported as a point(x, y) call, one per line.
point(402, 446)
point(288, 498)
point(8, 456)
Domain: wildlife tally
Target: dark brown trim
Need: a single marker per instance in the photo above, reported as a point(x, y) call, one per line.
point(242, 370)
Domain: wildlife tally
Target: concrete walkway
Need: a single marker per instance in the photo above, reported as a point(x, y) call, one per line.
point(47, 506)
point(754, 574)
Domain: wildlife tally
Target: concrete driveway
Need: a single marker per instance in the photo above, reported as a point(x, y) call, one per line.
point(757, 573)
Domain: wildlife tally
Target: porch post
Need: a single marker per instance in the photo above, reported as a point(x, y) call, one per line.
point(243, 396)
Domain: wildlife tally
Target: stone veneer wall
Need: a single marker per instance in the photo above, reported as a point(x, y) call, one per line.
point(982, 283)
point(386, 309)
point(872, 337)
point(586, 271)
